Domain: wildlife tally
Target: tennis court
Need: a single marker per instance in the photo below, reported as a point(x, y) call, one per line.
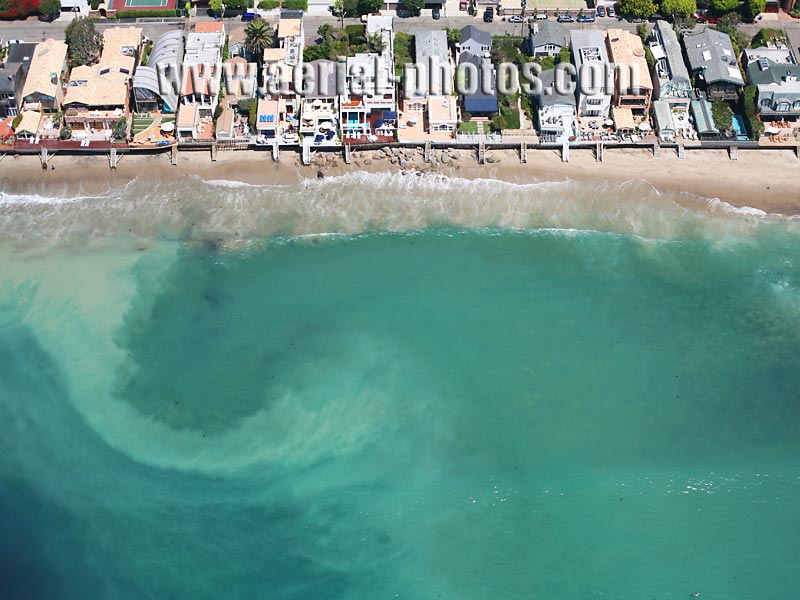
point(143, 4)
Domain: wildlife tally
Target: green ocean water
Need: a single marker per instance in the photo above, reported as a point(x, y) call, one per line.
point(463, 410)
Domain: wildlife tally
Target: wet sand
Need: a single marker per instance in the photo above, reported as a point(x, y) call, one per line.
point(765, 180)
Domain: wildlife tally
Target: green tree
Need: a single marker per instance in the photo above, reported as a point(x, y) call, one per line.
point(724, 6)
point(413, 7)
point(723, 116)
point(258, 35)
point(366, 7)
point(679, 8)
point(754, 126)
point(120, 129)
point(337, 10)
point(453, 35)
point(215, 6)
point(563, 55)
point(637, 8)
point(375, 43)
point(753, 8)
point(84, 41)
point(49, 7)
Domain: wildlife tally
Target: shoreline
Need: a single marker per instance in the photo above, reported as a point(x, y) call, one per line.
point(763, 180)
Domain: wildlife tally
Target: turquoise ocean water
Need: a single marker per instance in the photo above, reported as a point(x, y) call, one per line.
point(466, 390)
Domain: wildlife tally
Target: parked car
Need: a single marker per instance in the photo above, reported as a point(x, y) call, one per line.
point(611, 12)
point(634, 19)
point(541, 16)
point(488, 15)
point(436, 13)
point(658, 17)
point(601, 10)
point(590, 18)
point(565, 18)
point(250, 16)
point(515, 19)
point(463, 5)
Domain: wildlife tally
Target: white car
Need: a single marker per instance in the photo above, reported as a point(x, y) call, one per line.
point(7, 43)
point(542, 16)
point(515, 19)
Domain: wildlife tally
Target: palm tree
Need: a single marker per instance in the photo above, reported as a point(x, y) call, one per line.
point(375, 43)
point(257, 36)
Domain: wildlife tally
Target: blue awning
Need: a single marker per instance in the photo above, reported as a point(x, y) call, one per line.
point(389, 114)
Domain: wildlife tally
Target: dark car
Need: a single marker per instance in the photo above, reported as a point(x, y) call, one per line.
point(633, 19)
point(601, 11)
point(657, 17)
point(488, 15)
point(565, 18)
point(611, 12)
point(436, 13)
point(590, 18)
point(249, 16)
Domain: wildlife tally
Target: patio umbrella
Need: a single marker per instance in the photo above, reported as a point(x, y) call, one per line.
point(168, 127)
point(609, 122)
point(644, 126)
point(413, 120)
point(325, 125)
point(772, 130)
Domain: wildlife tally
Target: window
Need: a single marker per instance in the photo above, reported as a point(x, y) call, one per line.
point(796, 105)
point(782, 107)
point(594, 101)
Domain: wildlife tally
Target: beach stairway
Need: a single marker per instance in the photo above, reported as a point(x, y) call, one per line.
point(598, 152)
point(44, 157)
point(681, 151)
point(173, 158)
point(113, 159)
point(347, 154)
point(481, 152)
point(733, 152)
point(276, 151)
point(523, 152)
point(427, 151)
point(657, 150)
point(565, 150)
point(307, 141)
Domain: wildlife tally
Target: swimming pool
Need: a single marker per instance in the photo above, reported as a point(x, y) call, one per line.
point(739, 128)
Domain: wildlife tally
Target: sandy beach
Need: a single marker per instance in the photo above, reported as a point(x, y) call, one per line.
point(765, 180)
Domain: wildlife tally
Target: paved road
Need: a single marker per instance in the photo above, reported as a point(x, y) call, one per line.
point(33, 30)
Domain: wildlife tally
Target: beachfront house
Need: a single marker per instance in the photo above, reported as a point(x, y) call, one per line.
point(591, 62)
point(663, 122)
point(475, 68)
point(157, 84)
point(319, 113)
point(267, 119)
point(777, 80)
point(12, 78)
point(200, 81)
point(631, 98)
point(44, 86)
point(547, 38)
point(704, 119)
point(713, 64)
point(98, 95)
point(430, 111)
point(671, 83)
point(555, 111)
point(368, 107)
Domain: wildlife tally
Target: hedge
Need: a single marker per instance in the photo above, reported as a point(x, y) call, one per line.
point(269, 4)
point(295, 4)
